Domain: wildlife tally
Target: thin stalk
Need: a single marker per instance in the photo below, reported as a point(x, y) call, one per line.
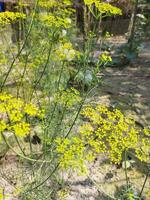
point(58, 125)
point(21, 49)
point(126, 174)
point(77, 114)
point(60, 75)
point(30, 144)
point(44, 69)
point(58, 164)
point(22, 156)
point(143, 186)
point(75, 119)
point(55, 105)
point(19, 144)
point(23, 74)
point(46, 179)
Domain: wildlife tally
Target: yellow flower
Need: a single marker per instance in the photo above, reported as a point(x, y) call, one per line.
point(105, 9)
point(66, 52)
point(2, 108)
point(113, 133)
point(15, 115)
point(48, 3)
point(31, 109)
point(105, 57)
point(52, 21)
point(72, 153)
point(12, 114)
point(9, 17)
point(90, 2)
point(21, 129)
point(54, 3)
point(4, 97)
point(146, 131)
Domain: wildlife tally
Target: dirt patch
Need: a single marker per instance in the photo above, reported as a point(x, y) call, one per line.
point(128, 88)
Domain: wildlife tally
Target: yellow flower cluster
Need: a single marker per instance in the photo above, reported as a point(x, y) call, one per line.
point(113, 133)
point(63, 193)
point(9, 17)
point(66, 52)
point(68, 98)
point(21, 129)
point(143, 151)
point(58, 15)
point(51, 20)
point(67, 2)
point(48, 4)
point(105, 131)
point(146, 131)
point(71, 154)
point(103, 7)
point(54, 3)
point(12, 112)
point(105, 57)
point(31, 109)
point(106, 8)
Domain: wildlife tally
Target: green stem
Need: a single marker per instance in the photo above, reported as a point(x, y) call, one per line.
point(143, 186)
point(22, 156)
point(77, 114)
point(23, 74)
point(126, 174)
point(19, 144)
point(19, 53)
point(57, 127)
point(43, 72)
point(55, 105)
point(60, 75)
point(58, 164)
point(46, 179)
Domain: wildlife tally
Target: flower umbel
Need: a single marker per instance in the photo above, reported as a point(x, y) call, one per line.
point(12, 115)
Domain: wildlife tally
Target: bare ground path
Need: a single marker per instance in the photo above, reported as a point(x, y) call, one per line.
point(128, 88)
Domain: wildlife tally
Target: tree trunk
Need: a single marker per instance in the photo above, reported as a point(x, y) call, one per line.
point(133, 25)
point(79, 7)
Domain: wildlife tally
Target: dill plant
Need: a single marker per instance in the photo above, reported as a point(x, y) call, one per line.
point(106, 132)
point(37, 72)
point(40, 71)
